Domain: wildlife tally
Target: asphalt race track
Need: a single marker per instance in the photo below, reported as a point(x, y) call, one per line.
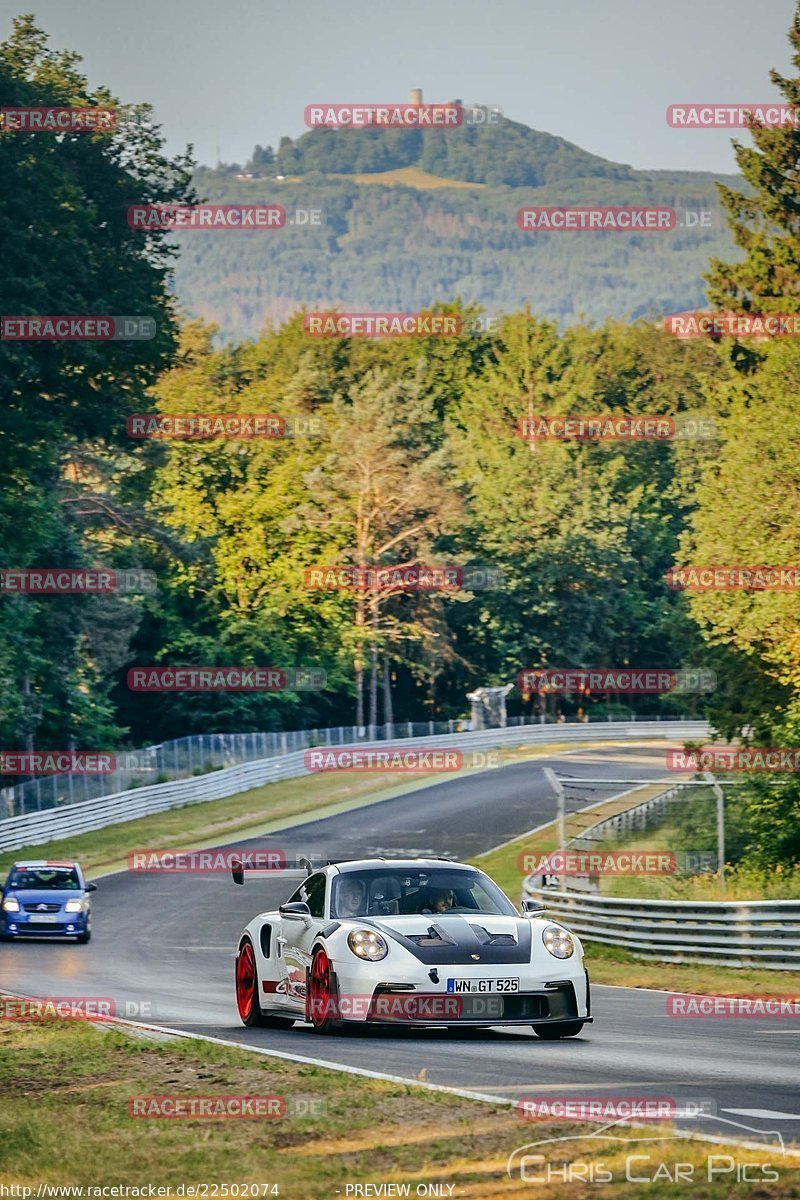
point(167, 942)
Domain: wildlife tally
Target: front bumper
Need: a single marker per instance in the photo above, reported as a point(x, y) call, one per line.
point(15, 925)
point(556, 1002)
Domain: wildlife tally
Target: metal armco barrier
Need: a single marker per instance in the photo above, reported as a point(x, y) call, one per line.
point(731, 933)
point(39, 827)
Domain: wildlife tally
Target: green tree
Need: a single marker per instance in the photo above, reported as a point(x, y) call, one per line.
point(69, 250)
point(765, 221)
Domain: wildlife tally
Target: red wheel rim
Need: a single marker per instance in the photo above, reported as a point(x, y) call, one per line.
point(321, 992)
point(245, 981)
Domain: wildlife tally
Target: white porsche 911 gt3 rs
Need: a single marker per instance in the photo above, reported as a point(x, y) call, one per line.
point(409, 942)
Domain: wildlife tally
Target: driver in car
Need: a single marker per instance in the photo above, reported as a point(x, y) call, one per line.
point(350, 898)
point(441, 902)
point(444, 901)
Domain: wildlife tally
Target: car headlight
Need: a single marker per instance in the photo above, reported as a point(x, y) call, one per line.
point(366, 943)
point(73, 906)
point(560, 943)
point(11, 904)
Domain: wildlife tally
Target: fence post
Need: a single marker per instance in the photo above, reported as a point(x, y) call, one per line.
point(720, 796)
point(555, 784)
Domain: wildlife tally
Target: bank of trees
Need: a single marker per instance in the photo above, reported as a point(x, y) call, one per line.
point(401, 452)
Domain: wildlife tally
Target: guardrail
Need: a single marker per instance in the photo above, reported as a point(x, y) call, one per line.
point(731, 933)
point(202, 752)
point(54, 823)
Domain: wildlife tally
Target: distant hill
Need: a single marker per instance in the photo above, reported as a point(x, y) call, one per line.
point(414, 217)
point(506, 153)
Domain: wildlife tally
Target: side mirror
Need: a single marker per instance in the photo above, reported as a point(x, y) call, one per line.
point(529, 908)
point(295, 909)
point(90, 887)
point(237, 871)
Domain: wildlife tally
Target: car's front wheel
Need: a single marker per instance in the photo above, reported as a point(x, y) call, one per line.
point(322, 1006)
point(84, 937)
point(551, 1032)
point(247, 992)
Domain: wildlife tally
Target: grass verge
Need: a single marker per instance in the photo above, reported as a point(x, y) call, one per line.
point(65, 1088)
point(741, 882)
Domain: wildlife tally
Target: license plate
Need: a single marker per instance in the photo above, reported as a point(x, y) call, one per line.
point(44, 918)
point(482, 985)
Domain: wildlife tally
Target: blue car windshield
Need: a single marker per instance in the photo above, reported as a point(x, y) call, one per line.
point(30, 879)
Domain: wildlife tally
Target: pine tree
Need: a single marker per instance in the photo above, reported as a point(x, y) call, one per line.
point(765, 223)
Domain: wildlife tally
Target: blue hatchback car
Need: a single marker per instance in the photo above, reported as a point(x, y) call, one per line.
point(46, 899)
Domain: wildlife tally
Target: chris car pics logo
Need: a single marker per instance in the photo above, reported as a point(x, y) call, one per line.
point(617, 1153)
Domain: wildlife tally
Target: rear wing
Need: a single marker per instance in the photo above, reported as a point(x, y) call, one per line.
point(301, 870)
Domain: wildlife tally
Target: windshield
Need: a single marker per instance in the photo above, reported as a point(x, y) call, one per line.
point(24, 879)
point(383, 892)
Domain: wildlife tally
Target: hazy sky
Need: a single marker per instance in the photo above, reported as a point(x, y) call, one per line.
point(225, 74)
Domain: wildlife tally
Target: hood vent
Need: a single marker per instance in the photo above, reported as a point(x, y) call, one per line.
point(454, 941)
point(434, 936)
point(492, 939)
